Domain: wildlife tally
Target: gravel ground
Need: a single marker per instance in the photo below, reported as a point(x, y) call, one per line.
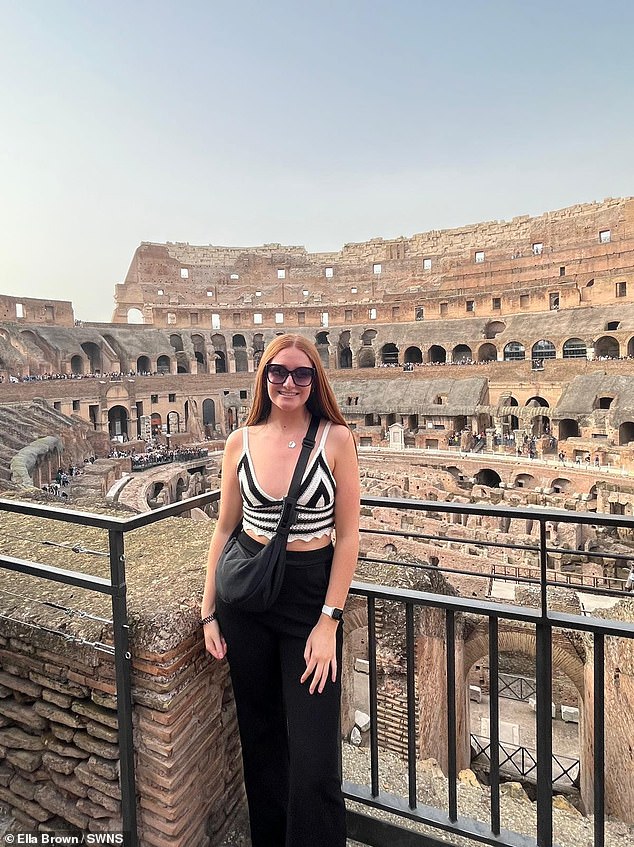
point(571, 829)
point(518, 813)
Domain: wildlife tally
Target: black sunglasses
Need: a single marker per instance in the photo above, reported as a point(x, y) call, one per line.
point(278, 374)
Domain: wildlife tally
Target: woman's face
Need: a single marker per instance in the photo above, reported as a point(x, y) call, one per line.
point(289, 397)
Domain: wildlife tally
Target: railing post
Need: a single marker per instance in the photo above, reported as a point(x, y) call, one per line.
point(544, 679)
point(123, 675)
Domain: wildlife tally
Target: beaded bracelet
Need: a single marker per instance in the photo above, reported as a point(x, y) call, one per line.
point(208, 619)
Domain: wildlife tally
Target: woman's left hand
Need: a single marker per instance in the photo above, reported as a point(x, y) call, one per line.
point(321, 654)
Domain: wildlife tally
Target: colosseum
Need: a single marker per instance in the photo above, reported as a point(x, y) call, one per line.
point(490, 364)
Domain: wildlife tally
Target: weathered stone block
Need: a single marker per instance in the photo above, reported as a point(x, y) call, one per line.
point(104, 767)
point(49, 798)
point(102, 732)
point(53, 713)
point(16, 683)
point(95, 713)
point(26, 760)
point(111, 789)
point(24, 715)
point(60, 764)
point(95, 745)
point(15, 737)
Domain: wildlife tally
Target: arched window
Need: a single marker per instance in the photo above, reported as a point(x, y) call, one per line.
point(514, 351)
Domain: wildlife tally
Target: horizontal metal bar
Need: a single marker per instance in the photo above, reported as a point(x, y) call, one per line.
point(81, 580)
point(430, 816)
point(504, 611)
point(104, 521)
point(505, 545)
point(517, 513)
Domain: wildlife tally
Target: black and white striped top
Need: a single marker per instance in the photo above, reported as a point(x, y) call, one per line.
point(315, 503)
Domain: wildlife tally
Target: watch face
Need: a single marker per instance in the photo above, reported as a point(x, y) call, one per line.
point(337, 614)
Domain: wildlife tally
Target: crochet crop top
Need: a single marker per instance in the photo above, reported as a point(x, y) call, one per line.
point(315, 503)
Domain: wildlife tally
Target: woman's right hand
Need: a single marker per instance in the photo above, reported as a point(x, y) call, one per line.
point(214, 642)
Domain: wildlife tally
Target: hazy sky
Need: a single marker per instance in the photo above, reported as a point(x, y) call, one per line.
point(302, 123)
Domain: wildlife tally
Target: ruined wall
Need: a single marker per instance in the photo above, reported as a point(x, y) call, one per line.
point(31, 310)
point(573, 253)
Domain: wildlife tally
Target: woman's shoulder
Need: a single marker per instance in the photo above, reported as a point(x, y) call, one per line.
point(235, 439)
point(339, 435)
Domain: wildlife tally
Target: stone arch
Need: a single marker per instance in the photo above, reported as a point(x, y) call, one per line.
point(77, 365)
point(258, 348)
point(118, 422)
point(536, 402)
point(437, 355)
point(176, 341)
point(343, 348)
point(606, 346)
point(389, 354)
point(220, 352)
point(164, 365)
point(355, 646)
point(487, 353)
point(143, 365)
point(630, 346)
point(514, 351)
point(461, 353)
point(156, 423)
point(494, 328)
point(543, 350)
point(488, 477)
point(413, 356)
point(322, 342)
point(367, 337)
point(209, 413)
point(200, 353)
point(517, 639)
point(524, 480)
point(173, 422)
point(135, 316)
point(560, 485)
point(574, 348)
point(626, 432)
point(239, 345)
point(93, 353)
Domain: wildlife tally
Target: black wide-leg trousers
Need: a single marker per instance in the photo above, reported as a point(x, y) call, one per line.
point(290, 738)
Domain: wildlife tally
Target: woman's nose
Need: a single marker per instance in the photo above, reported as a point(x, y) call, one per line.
point(289, 377)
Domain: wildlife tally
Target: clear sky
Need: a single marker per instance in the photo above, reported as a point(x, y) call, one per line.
point(239, 123)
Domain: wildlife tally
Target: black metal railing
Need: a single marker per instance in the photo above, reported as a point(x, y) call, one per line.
point(516, 687)
point(516, 760)
point(543, 620)
point(116, 588)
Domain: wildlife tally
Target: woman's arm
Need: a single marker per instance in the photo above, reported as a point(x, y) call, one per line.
point(320, 653)
point(229, 514)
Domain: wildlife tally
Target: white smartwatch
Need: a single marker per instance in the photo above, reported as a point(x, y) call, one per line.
point(332, 612)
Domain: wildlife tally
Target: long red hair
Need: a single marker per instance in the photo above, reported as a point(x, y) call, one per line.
point(321, 401)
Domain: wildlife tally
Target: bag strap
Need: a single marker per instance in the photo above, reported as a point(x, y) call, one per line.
point(289, 504)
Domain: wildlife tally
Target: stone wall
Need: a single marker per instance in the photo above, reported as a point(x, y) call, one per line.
point(184, 285)
point(58, 722)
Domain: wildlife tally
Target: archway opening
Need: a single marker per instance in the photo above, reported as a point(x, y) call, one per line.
point(437, 355)
point(514, 351)
point(413, 356)
point(163, 364)
point(389, 354)
point(77, 365)
point(135, 316)
point(568, 428)
point(488, 477)
point(606, 347)
point(118, 423)
point(626, 432)
point(487, 353)
point(143, 365)
point(461, 353)
point(575, 348)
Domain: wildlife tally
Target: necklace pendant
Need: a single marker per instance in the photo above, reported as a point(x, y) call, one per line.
point(292, 444)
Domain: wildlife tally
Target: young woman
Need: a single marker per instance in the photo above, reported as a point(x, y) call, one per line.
point(285, 662)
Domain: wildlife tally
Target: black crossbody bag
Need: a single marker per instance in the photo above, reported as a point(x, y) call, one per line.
point(253, 582)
